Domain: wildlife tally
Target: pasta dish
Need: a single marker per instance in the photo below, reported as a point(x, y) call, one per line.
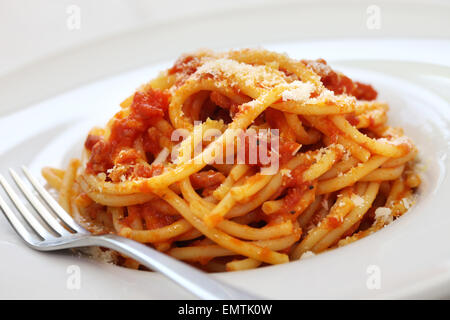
point(236, 160)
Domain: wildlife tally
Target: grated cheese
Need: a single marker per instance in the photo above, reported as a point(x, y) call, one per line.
point(300, 91)
point(258, 76)
point(357, 200)
point(383, 214)
point(307, 254)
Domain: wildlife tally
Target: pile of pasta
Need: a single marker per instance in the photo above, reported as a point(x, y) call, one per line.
point(343, 172)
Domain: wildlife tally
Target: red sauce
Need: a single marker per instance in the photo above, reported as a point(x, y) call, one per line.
point(296, 176)
point(145, 110)
point(152, 218)
point(100, 159)
point(151, 141)
point(265, 254)
point(146, 171)
point(206, 179)
point(228, 109)
point(286, 150)
point(372, 122)
point(354, 121)
point(91, 140)
point(333, 222)
point(296, 193)
point(132, 215)
point(339, 83)
point(259, 150)
point(364, 91)
point(127, 157)
point(276, 120)
point(328, 127)
point(185, 64)
point(184, 67)
point(293, 196)
point(220, 100)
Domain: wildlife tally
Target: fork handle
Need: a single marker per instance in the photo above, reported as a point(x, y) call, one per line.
point(193, 280)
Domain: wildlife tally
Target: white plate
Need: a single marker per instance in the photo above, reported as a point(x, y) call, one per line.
point(412, 254)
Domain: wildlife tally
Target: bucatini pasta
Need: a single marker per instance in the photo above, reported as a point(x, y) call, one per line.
point(236, 160)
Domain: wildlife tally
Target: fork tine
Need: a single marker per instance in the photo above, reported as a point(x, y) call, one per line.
point(57, 209)
point(32, 221)
point(16, 224)
point(37, 205)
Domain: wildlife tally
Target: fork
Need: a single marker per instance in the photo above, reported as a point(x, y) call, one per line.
point(60, 231)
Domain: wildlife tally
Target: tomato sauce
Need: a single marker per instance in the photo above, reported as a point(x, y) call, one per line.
point(287, 149)
point(352, 119)
point(145, 171)
point(91, 140)
point(146, 108)
point(293, 196)
point(339, 83)
point(127, 157)
point(259, 151)
point(296, 176)
point(151, 217)
point(184, 67)
point(206, 179)
point(151, 141)
point(333, 222)
point(187, 64)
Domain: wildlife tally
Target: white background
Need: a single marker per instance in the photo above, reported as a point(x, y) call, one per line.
point(33, 29)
